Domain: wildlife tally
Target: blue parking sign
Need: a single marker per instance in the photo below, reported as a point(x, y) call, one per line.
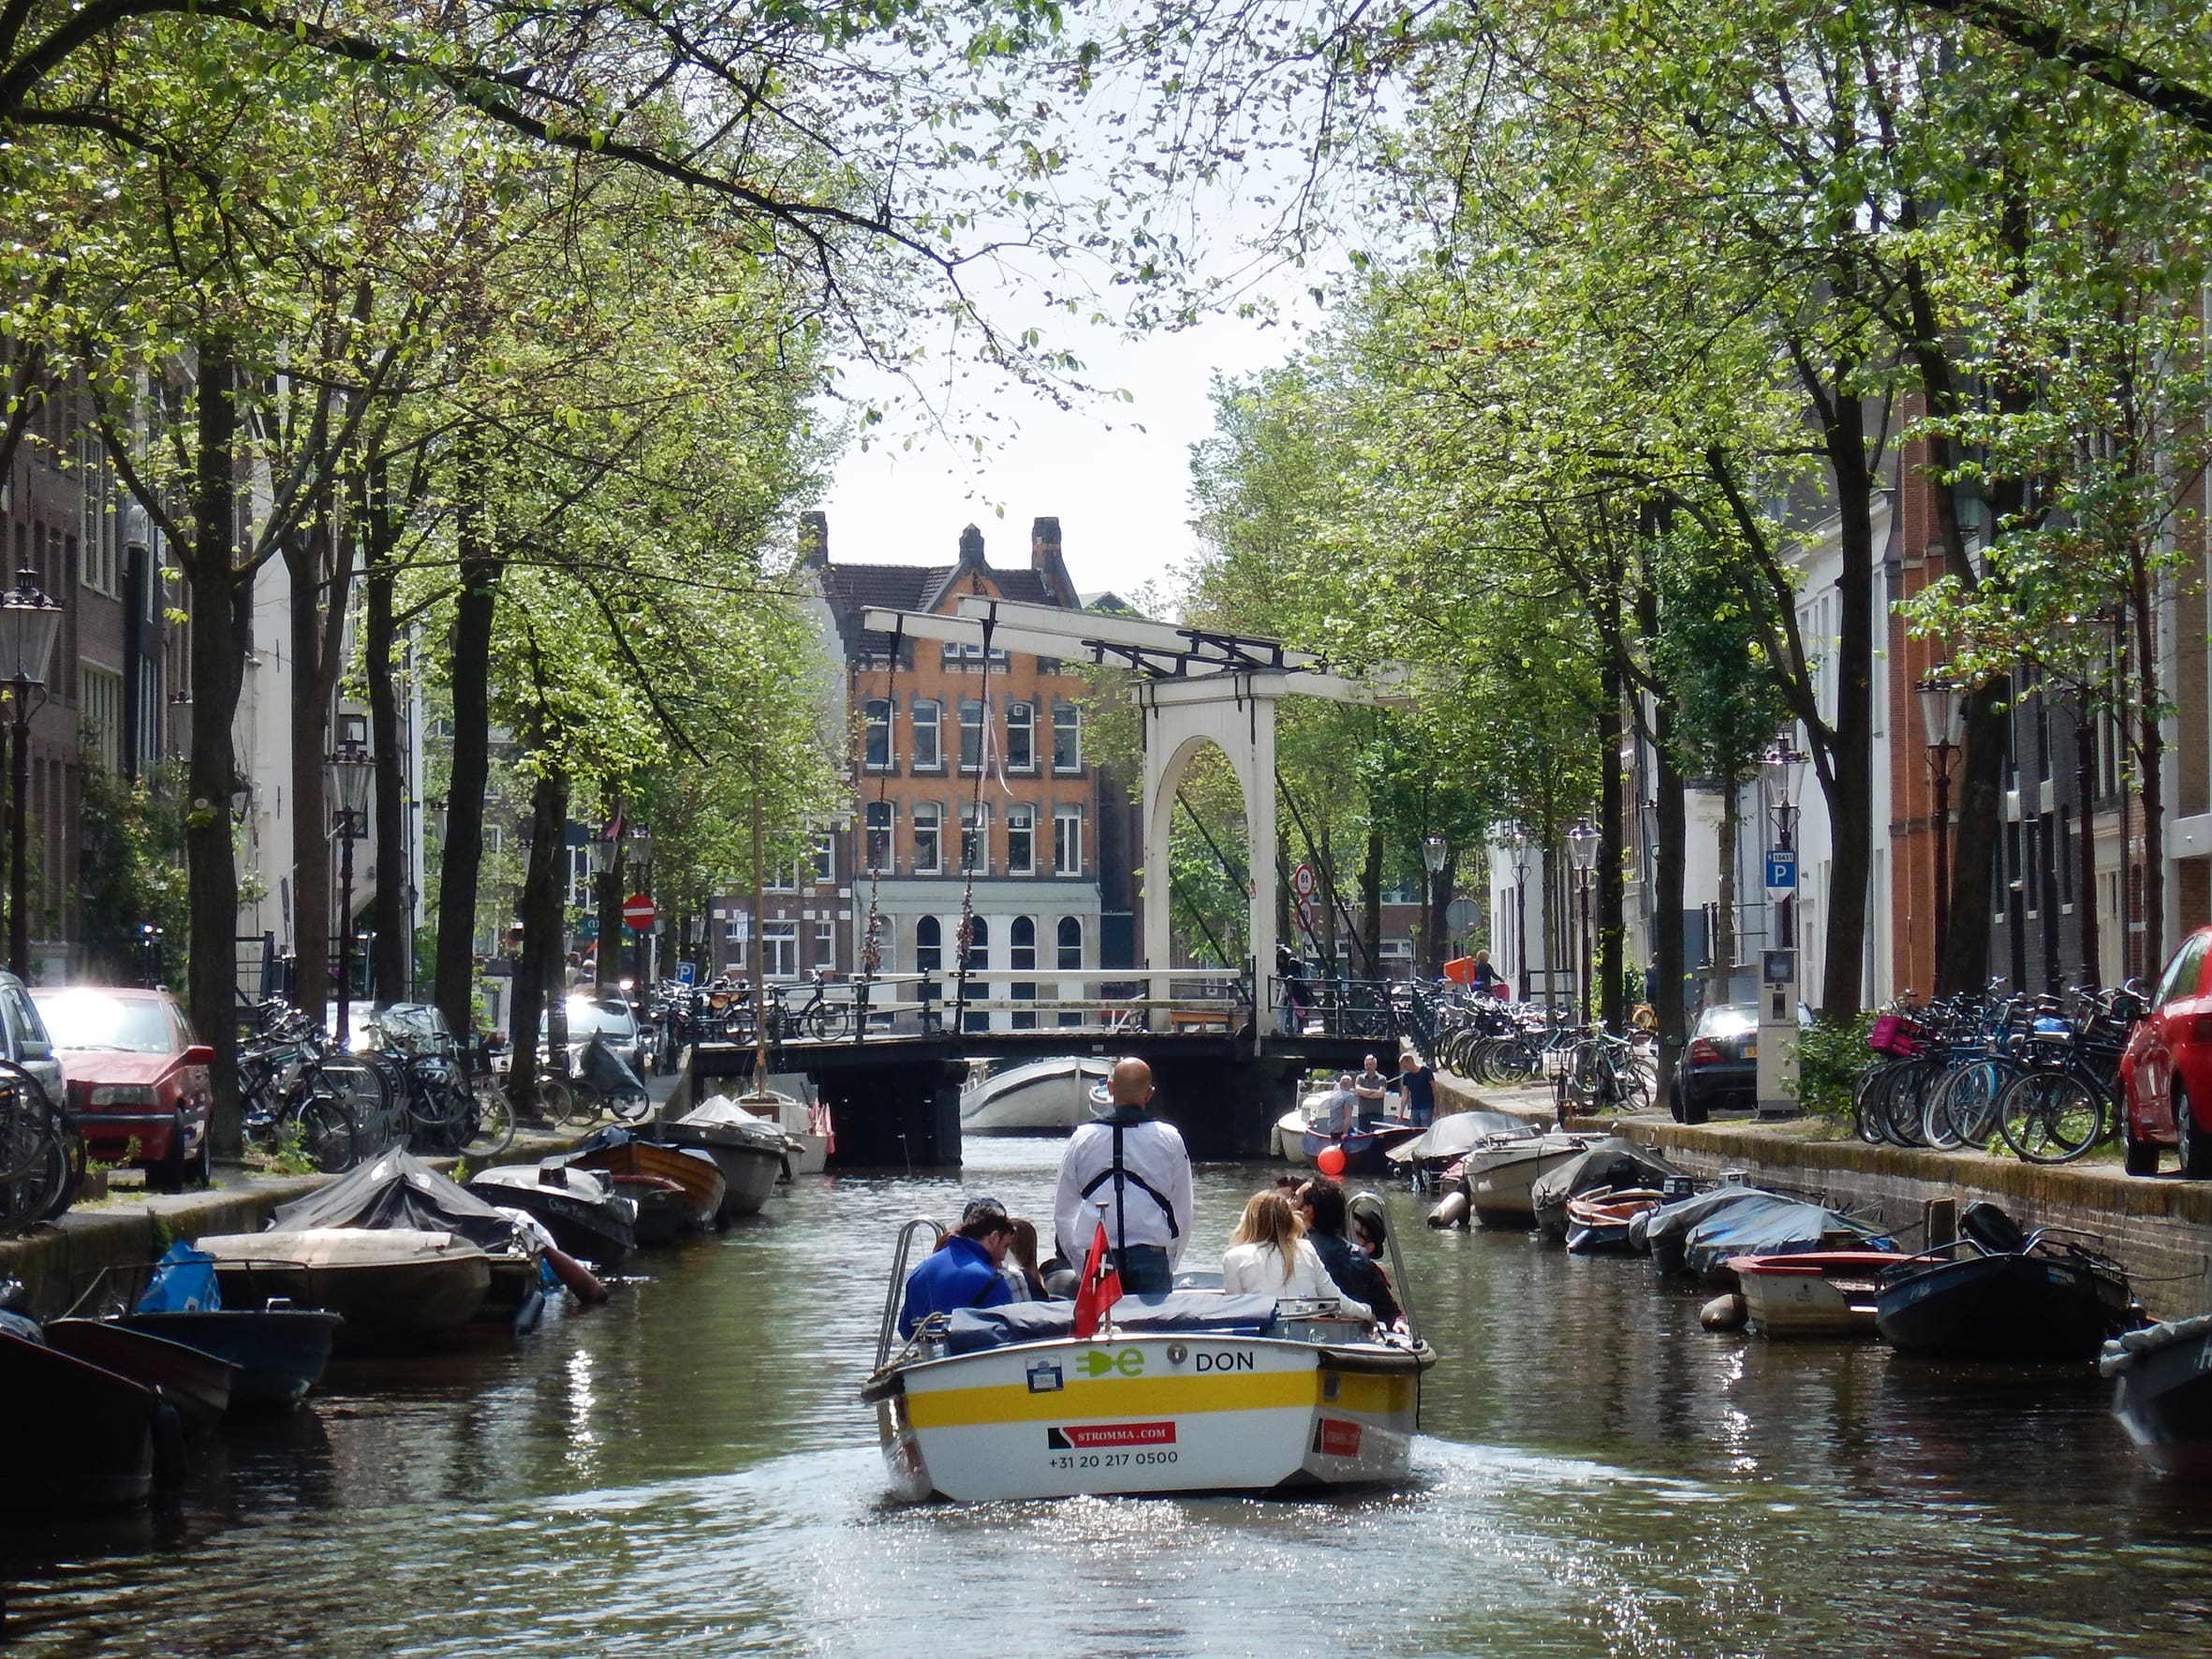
point(686, 973)
point(1781, 870)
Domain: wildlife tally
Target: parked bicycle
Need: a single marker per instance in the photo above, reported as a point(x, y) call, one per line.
point(41, 1152)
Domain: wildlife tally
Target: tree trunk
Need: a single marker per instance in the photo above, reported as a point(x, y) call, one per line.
point(1435, 924)
point(1329, 902)
point(2150, 750)
point(2085, 790)
point(393, 917)
point(1611, 927)
point(1850, 791)
point(1724, 922)
point(538, 974)
point(1553, 950)
point(1979, 801)
point(462, 858)
point(608, 892)
point(312, 896)
point(220, 617)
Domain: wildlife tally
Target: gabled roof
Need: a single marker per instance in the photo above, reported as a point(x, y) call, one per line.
point(851, 589)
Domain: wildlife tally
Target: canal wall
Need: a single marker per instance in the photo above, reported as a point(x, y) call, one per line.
point(2159, 1228)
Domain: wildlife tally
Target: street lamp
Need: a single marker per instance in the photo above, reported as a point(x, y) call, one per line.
point(1943, 724)
point(1781, 763)
point(1582, 850)
point(29, 620)
point(346, 771)
point(641, 840)
point(1435, 850)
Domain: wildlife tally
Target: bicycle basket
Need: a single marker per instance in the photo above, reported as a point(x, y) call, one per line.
point(1895, 1036)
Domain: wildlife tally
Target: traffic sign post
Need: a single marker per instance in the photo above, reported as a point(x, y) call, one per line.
point(1781, 870)
point(637, 910)
point(1778, 992)
point(1301, 881)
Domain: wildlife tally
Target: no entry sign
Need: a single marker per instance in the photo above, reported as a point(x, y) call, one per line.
point(638, 910)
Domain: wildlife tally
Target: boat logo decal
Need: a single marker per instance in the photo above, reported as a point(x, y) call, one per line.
point(1228, 1362)
point(1333, 1437)
point(1084, 1435)
point(1044, 1378)
point(1098, 1362)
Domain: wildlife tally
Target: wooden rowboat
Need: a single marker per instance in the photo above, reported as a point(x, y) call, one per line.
point(700, 1182)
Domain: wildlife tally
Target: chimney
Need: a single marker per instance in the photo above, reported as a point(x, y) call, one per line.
point(814, 539)
point(1044, 558)
point(971, 546)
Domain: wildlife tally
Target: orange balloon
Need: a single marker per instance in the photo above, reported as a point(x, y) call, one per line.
point(1330, 1161)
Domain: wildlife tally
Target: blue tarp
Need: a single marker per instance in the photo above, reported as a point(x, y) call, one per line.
point(1775, 1226)
point(975, 1329)
point(184, 1281)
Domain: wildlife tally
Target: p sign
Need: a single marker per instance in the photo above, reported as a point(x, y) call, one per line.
point(1781, 870)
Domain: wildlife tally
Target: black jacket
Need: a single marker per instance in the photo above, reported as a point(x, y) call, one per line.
point(1355, 1275)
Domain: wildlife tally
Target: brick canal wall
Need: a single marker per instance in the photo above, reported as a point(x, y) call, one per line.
point(2160, 1227)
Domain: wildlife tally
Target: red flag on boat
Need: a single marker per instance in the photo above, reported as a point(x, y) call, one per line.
point(1100, 1287)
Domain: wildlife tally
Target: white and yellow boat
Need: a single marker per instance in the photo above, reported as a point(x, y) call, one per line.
point(1194, 1391)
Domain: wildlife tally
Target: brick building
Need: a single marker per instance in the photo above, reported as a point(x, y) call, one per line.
point(960, 762)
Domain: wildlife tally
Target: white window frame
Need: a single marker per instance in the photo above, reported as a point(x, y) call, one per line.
point(927, 718)
point(979, 726)
point(1067, 717)
point(1021, 721)
point(1021, 839)
point(878, 719)
point(822, 864)
point(100, 715)
point(929, 821)
point(1060, 946)
point(975, 818)
point(881, 856)
point(779, 949)
point(1067, 832)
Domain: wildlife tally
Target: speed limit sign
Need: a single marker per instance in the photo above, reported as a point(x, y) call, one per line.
point(1301, 879)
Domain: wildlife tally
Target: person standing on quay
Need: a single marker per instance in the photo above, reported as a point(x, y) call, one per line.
point(1136, 1165)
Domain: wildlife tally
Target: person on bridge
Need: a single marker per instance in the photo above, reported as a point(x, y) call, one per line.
point(1138, 1168)
point(964, 1271)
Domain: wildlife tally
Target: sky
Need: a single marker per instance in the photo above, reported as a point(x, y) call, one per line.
point(1116, 474)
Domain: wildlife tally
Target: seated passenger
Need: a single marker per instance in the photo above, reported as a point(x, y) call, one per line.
point(1268, 1256)
point(964, 1270)
point(1023, 1283)
point(1321, 1200)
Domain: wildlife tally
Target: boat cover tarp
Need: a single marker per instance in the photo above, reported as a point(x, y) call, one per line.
point(975, 1329)
point(724, 1113)
point(1672, 1220)
point(1614, 1162)
point(2120, 1353)
point(1455, 1136)
point(398, 1190)
point(184, 1281)
point(1774, 1226)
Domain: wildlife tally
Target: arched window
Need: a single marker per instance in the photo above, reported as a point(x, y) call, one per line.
point(979, 945)
point(1021, 944)
point(1070, 944)
point(929, 946)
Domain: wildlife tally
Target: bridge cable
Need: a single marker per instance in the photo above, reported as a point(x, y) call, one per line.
point(972, 838)
point(1336, 896)
point(872, 944)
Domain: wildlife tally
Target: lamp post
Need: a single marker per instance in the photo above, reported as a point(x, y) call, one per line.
point(1435, 850)
point(29, 620)
point(604, 850)
point(1516, 841)
point(1942, 723)
point(1781, 764)
point(347, 770)
point(640, 838)
point(1582, 850)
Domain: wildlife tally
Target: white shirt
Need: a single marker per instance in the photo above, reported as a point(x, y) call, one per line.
point(1257, 1269)
point(1152, 1153)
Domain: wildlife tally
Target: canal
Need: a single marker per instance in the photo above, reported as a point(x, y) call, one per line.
point(687, 1471)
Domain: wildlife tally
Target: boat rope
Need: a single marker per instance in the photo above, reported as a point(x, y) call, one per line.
point(872, 941)
point(972, 836)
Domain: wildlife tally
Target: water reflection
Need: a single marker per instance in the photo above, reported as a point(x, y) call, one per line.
point(687, 1470)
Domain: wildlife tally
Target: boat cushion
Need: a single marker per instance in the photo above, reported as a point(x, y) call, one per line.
point(977, 1330)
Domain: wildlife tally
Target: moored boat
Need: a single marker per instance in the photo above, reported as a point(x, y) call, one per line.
point(2162, 1392)
point(1664, 1231)
point(87, 1439)
point(194, 1381)
point(1771, 1225)
point(279, 1353)
point(2000, 1294)
point(1597, 1222)
point(394, 1286)
point(751, 1150)
point(1499, 1176)
point(1815, 1293)
point(699, 1181)
point(580, 1207)
point(1049, 1096)
point(1612, 1163)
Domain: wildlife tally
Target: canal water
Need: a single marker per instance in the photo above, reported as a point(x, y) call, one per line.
point(687, 1471)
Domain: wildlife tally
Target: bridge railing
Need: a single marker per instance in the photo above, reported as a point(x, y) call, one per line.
point(1317, 1005)
point(1040, 999)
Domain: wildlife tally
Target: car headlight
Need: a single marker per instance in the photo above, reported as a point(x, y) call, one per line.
point(126, 1095)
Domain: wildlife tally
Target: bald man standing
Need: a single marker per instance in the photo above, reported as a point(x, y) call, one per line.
point(1137, 1166)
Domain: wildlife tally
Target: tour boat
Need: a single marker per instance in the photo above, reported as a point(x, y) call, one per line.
point(1816, 1293)
point(2162, 1393)
point(1040, 1097)
point(1194, 1390)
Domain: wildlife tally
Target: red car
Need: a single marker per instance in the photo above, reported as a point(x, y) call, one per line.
point(2167, 1067)
point(134, 1074)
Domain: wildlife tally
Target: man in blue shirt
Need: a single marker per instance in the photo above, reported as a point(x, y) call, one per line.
point(1418, 1084)
point(963, 1272)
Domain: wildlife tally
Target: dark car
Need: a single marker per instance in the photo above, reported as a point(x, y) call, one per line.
point(2167, 1067)
point(1720, 1067)
point(136, 1077)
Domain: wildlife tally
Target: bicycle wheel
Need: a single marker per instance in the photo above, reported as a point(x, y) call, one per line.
point(1970, 1101)
point(491, 1125)
point(630, 1108)
point(826, 1021)
point(1936, 1126)
point(325, 1127)
point(2051, 1117)
point(1906, 1101)
point(367, 1093)
point(1867, 1092)
point(579, 1107)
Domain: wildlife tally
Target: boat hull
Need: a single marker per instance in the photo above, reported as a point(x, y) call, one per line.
point(1043, 1097)
point(702, 1186)
point(2163, 1400)
point(584, 1219)
point(1498, 1182)
point(85, 1436)
point(280, 1353)
point(1187, 1411)
point(749, 1169)
point(1827, 1293)
point(194, 1381)
point(419, 1287)
point(2018, 1308)
point(1366, 1150)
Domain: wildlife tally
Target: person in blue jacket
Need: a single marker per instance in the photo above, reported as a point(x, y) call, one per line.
point(963, 1272)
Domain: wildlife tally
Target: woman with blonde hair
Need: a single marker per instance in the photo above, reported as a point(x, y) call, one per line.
point(1268, 1255)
